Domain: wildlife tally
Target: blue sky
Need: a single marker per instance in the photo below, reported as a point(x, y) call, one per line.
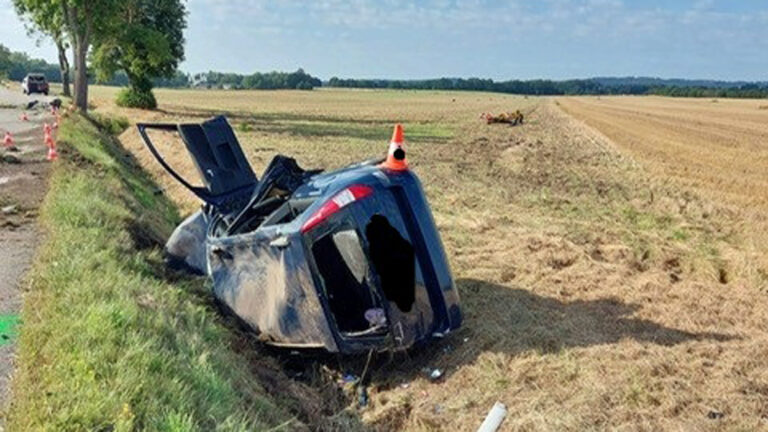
point(716, 39)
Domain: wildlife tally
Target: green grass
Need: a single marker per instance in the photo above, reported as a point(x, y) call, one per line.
point(107, 339)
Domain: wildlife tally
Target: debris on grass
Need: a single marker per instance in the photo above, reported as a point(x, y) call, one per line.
point(9, 210)
point(511, 118)
point(435, 374)
point(494, 418)
point(10, 159)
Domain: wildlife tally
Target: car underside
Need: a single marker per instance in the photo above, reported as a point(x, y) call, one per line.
point(347, 261)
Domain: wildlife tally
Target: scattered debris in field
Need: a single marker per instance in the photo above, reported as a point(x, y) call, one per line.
point(11, 159)
point(349, 378)
point(435, 374)
point(715, 415)
point(512, 118)
point(362, 396)
point(494, 418)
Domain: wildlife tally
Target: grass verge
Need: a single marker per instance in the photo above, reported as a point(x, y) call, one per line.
point(108, 340)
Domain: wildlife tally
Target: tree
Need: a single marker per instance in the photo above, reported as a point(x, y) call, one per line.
point(86, 21)
point(77, 21)
point(145, 40)
point(5, 61)
point(47, 18)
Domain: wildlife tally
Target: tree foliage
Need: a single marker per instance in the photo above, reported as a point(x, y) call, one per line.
point(145, 40)
point(47, 19)
point(5, 61)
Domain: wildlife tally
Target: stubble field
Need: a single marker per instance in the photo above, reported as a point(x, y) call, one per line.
point(609, 253)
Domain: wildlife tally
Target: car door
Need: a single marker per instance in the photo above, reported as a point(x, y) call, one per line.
point(217, 155)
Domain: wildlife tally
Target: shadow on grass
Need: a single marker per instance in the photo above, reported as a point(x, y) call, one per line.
point(514, 321)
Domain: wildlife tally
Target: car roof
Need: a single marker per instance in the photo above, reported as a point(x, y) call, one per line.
point(36, 75)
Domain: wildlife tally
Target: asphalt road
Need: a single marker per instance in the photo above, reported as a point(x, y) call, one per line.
point(22, 188)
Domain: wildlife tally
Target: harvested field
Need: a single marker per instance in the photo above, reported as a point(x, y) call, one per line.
point(717, 148)
point(602, 288)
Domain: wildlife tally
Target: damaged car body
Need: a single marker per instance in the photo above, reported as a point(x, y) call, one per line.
point(347, 261)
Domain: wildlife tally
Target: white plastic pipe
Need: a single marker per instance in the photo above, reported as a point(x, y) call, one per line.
point(494, 418)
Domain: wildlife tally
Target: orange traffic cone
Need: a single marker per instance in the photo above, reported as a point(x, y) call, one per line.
point(8, 140)
point(396, 156)
point(52, 155)
point(24, 116)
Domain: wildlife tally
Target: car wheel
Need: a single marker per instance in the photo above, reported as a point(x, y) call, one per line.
point(45, 93)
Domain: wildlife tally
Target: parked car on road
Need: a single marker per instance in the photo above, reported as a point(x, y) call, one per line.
point(348, 261)
point(34, 83)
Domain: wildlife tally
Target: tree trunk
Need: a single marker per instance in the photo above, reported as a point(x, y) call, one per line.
point(80, 50)
point(64, 68)
point(80, 32)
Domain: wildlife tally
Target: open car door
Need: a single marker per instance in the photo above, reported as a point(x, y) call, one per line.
point(227, 177)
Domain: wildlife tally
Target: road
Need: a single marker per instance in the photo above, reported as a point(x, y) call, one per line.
point(22, 188)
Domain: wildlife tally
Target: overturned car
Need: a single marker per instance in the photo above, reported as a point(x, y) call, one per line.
point(348, 260)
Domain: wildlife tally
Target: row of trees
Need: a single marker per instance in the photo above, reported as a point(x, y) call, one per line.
point(270, 80)
point(15, 65)
point(142, 38)
point(745, 91)
point(597, 86)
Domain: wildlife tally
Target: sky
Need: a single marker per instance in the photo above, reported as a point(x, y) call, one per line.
point(499, 39)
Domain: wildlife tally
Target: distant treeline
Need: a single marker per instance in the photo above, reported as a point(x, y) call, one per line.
point(265, 81)
point(745, 91)
point(15, 65)
point(592, 86)
point(271, 80)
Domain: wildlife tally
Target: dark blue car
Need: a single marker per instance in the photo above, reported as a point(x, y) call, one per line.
point(348, 260)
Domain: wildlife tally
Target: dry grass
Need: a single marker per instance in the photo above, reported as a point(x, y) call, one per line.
point(599, 292)
point(717, 151)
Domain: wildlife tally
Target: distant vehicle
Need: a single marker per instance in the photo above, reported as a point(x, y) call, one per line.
point(348, 261)
point(34, 83)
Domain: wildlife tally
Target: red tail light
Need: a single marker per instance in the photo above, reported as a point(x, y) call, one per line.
point(339, 201)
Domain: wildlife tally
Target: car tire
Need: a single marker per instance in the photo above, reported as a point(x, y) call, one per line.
point(45, 93)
